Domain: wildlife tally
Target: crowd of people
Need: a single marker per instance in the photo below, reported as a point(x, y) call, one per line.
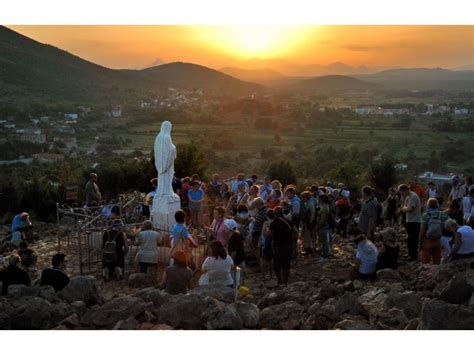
point(263, 225)
point(18, 267)
point(259, 223)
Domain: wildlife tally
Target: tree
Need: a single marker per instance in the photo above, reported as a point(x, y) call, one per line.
point(383, 174)
point(283, 172)
point(190, 160)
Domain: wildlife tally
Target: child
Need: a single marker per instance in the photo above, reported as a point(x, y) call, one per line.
point(181, 239)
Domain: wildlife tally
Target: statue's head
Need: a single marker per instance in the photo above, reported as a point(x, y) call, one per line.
point(166, 127)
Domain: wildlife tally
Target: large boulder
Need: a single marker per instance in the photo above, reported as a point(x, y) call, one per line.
point(128, 324)
point(393, 318)
point(321, 317)
point(407, 301)
point(82, 288)
point(228, 319)
point(71, 322)
point(471, 302)
point(140, 280)
point(285, 316)
point(440, 315)
point(5, 311)
point(32, 313)
point(18, 291)
point(248, 313)
point(219, 292)
point(120, 308)
point(49, 294)
point(349, 303)
point(457, 290)
point(372, 301)
point(151, 294)
point(189, 311)
point(348, 324)
point(388, 274)
point(271, 298)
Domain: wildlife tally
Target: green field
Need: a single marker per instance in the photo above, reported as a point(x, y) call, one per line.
point(241, 143)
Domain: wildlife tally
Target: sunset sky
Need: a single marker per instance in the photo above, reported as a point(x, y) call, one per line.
point(281, 46)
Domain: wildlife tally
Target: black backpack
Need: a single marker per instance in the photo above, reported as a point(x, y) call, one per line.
point(110, 248)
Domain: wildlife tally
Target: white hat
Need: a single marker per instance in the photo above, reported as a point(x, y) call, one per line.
point(230, 224)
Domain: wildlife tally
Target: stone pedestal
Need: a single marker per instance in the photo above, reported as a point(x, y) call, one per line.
point(163, 210)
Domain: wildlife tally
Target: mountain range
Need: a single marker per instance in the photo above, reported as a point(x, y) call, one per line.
point(29, 69)
point(32, 71)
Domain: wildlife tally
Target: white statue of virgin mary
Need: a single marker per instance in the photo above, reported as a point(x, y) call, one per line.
point(165, 202)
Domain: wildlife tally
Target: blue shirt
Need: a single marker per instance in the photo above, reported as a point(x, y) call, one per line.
point(196, 195)
point(265, 191)
point(367, 254)
point(179, 229)
point(17, 222)
point(295, 205)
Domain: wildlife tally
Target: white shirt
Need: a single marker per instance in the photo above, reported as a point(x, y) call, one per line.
point(467, 240)
point(367, 254)
point(432, 193)
point(219, 270)
point(148, 242)
point(467, 207)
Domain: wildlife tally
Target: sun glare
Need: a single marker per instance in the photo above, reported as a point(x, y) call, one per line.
point(251, 41)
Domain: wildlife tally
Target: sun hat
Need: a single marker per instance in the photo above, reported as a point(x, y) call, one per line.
point(230, 224)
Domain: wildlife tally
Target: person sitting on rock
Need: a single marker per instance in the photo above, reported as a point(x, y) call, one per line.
point(28, 256)
point(178, 277)
point(114, 249)
point(56, 276)
point(217, 268)
point(21, 224)
point(463, 241)
point(390, 251)
point(148, 240)
point(366, 258)
point(13, 275)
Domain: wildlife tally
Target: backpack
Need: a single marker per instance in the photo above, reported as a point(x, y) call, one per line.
point(110, 249)
point(434, 230)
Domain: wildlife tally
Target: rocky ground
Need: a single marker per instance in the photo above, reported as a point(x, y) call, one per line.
point(319, 296)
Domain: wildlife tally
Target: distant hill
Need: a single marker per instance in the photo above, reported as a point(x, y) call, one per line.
point(253, 75)
point(31, 71)
point(422, 79)
point(288, 68)
point(187, 75)
point(332, 83)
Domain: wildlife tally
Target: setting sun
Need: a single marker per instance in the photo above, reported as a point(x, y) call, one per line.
point(262, 41)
